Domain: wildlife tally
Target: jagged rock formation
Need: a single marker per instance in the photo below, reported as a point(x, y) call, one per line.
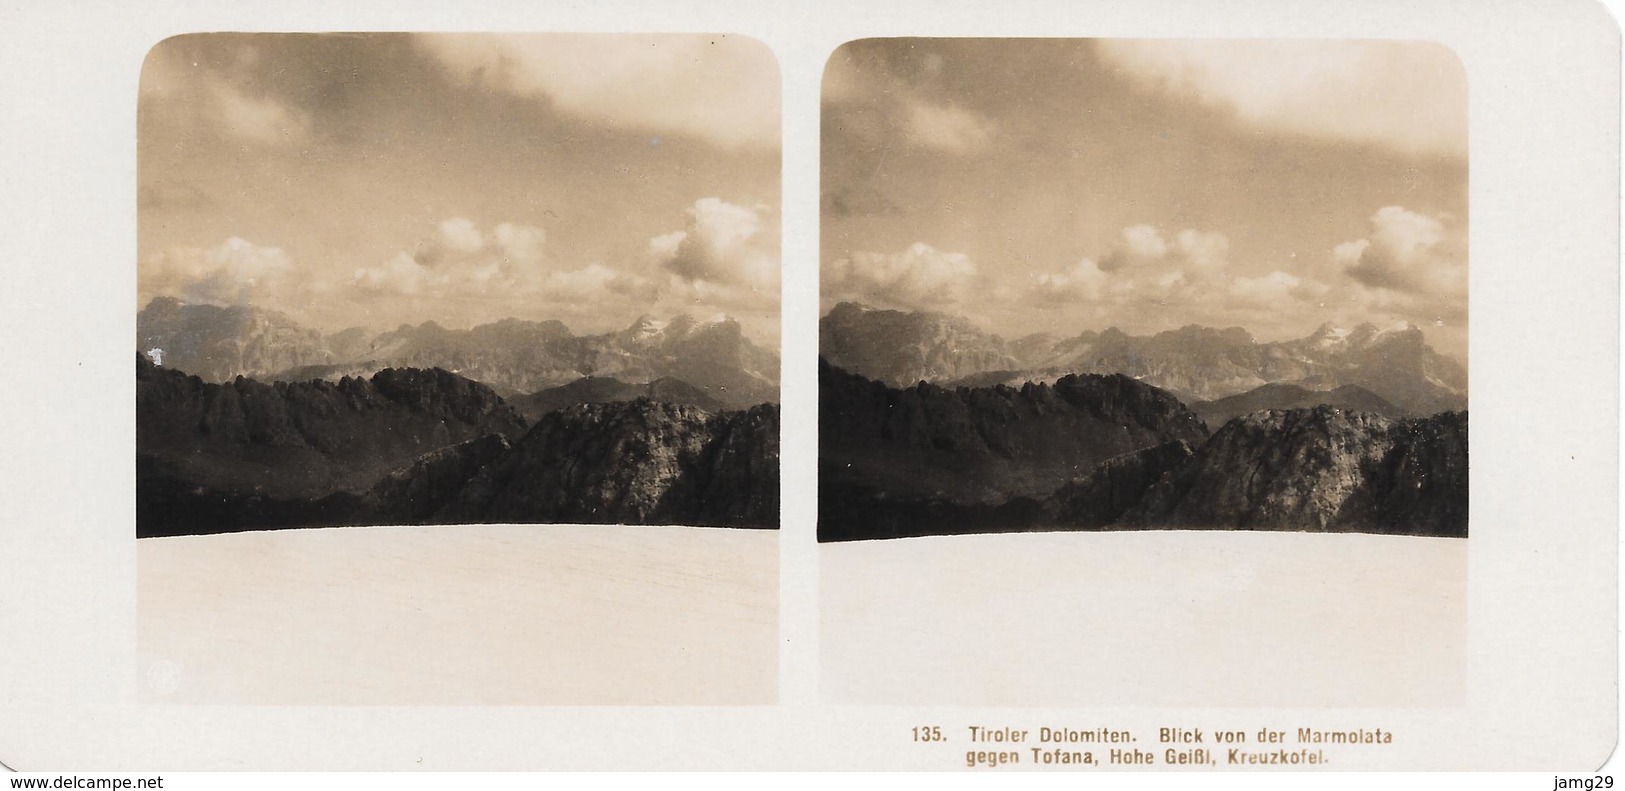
point(1094, 453)
point(515, 357)
point(1100, 498)
point(1321, 469)
point(901, 349)
point(296, 439)
point(1350, 398)
point(604, 390)
point(984, 444)
point(638, 462)
point(850, 511)
point(1195, 363)
point(412, 495)
point(510, 356)
point(220, 343)
point(414, 447)
point(928, 460)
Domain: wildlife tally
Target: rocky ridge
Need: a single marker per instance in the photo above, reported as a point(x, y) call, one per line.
point(1350, 398)
point(410, 446)
point(511, 356)
point(984, 444)
point(1195, 363)
point(1321, 469)
point(966, 466)
point(637, 462)
point(603, 390)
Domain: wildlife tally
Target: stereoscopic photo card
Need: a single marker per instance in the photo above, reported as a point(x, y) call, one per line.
point(1070, 387)
point(1145, 309)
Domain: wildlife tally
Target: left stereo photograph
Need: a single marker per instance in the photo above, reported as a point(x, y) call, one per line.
point(457, 370)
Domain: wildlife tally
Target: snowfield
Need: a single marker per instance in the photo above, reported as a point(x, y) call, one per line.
point(466, 615)
point(1156, 618)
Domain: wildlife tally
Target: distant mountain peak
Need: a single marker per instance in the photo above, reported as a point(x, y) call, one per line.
point(1196, 362)
point(164, 303)
point(647, 326)
point(847, 308)
point(511, 355)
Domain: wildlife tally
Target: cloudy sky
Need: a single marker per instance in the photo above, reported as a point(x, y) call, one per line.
point(375, 180)
point(1068, 185)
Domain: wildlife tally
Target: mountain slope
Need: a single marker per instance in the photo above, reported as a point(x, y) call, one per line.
point(986, 444)
point(421, 447)
point(1305, 470)
point(297, 438)
point(637, 462)
point(218, 343)
point(1352, 398)
point(925, 459)
point(213, 457)
point(1118, 484)
point(603, 390)
point(510, 356)
point(1194, 363)
point(517, 357)
point(1319, 469)
point(900, 348)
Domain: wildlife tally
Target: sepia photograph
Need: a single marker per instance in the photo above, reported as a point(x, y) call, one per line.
point(739, 386)
point(1134, 287)
point(512, 301)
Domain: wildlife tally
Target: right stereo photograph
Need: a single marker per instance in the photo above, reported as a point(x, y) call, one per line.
point(1143, 373)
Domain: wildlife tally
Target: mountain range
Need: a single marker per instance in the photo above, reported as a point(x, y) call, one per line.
point(985, 444)
point(415, 446)
point(1194, 363)
point(1353, 398)
point(511, 356)
point(1092, 452)
point(605, 389)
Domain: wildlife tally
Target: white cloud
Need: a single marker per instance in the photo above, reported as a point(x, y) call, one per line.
point(1136, 245)
point(946, 128)
point(524, 244)
point(1406, 251)
point(1271, 290)
point(918, 277)
point(1144, 241)
point(1201, 254)
point(721, 88)
point(401, 274)
point(506, 265)
point(1190, 270)
point(1410, 96)
point(461, 259)
point(595, 281)
point(1085, 281)
point(461, 237)
point(722, 244)
point(1144, 256)
point(235, 271)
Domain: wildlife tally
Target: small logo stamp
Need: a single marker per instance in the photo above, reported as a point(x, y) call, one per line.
point(163, 676)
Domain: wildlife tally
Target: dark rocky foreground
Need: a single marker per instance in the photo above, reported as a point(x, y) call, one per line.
point(980, 445)
point(604, 389)
point(410, 446)
point(931, 461)
point(638, 462)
